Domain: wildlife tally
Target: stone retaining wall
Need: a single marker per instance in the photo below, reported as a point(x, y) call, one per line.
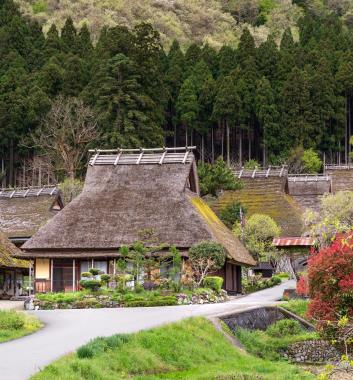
point(312, 351)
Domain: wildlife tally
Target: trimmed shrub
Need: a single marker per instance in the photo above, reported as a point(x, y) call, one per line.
point(92, 285)
point(284, 327)
point(158, 301)
point(94, 271)
point(213, 282)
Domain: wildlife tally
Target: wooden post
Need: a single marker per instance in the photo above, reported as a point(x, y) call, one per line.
point(51, 274)
point(73, 275)
point(114, 267)
point(30, 278)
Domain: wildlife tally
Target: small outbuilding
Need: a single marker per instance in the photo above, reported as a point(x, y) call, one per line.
point(126, 192)
point(14, 276)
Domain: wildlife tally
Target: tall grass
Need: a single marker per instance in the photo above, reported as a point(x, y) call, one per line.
point(14, 324)
point(191, 349)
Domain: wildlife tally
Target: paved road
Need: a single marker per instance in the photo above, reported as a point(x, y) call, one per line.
point(66, 330)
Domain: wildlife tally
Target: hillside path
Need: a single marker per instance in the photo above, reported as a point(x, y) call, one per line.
point(66, 330)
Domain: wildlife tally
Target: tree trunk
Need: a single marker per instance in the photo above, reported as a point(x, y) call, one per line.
point(222, 140)
point(11, 164)
point(240, 147)
point(3, 172)
point(249, 144)
point(346, 134)
point(212, 144)
point(264, 155)
point(202, 148)
point(228, 145)
point(186, 135)
point(175, 136)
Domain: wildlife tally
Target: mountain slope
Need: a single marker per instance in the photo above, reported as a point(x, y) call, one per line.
point(217, 22)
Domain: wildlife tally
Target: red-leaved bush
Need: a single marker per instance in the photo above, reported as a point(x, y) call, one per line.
point(330, 274)
point(303, 286)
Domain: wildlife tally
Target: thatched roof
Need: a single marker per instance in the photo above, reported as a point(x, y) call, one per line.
point(266, 196)
point(24, 211)
point(119, 203)
point(7, 251)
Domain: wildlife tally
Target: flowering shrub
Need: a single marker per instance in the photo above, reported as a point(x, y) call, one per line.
point(330, 277)
point(303, 286)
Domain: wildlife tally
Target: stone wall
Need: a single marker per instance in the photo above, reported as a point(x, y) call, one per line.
point(259, 318)
point(312, 351)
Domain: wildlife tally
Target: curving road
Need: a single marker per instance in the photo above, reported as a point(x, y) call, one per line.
point(66, 330)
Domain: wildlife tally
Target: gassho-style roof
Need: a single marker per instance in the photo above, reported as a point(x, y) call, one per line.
point(23, 211)
point(129, 191)
point(7, 251)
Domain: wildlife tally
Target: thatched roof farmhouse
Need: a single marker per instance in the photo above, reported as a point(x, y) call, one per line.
point(126, 192)
point(24, 211)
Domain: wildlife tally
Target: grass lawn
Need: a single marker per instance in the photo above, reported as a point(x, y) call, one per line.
point(15, 324)
point(190, 349)
point(298, 307)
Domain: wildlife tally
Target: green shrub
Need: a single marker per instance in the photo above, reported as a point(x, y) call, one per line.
point(94, 271)
point(231, 214)
point(275, 280)
point(85, 352)
point(39, 6)
point(92, 285)
point(284, 327)
point(158, 301)
point(86, 274)
point(213, 282)
point(105, 278)
point(216, 177)
point(282, 275)
point(11, 320)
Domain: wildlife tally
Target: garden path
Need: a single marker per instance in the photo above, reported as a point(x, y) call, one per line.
point(66, 330)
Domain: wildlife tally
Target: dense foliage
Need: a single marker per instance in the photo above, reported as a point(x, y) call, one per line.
point(206, 257)
point(258, 234)
point(249, 102)
point(232, 213)
point(216, 177)
point(335, 215)
point(330, 273)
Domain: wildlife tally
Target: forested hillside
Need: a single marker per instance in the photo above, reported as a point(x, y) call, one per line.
point(252, 101)
point(216, 22)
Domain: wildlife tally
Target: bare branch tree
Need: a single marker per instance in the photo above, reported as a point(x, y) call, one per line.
point(66, 134)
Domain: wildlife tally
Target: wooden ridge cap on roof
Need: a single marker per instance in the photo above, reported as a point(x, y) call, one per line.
point(27, 192)
point(142, 156)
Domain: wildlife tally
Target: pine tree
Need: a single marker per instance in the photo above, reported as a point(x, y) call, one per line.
point(68, 35)
point(226, 108)
point(296, 110)
point(267, 114)
point(125, 112)
point(227, 60)
point(187, 107)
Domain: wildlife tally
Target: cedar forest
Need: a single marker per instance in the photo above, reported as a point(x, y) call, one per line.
point(252, 102)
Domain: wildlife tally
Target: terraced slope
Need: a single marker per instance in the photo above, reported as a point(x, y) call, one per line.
point(266, 196)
